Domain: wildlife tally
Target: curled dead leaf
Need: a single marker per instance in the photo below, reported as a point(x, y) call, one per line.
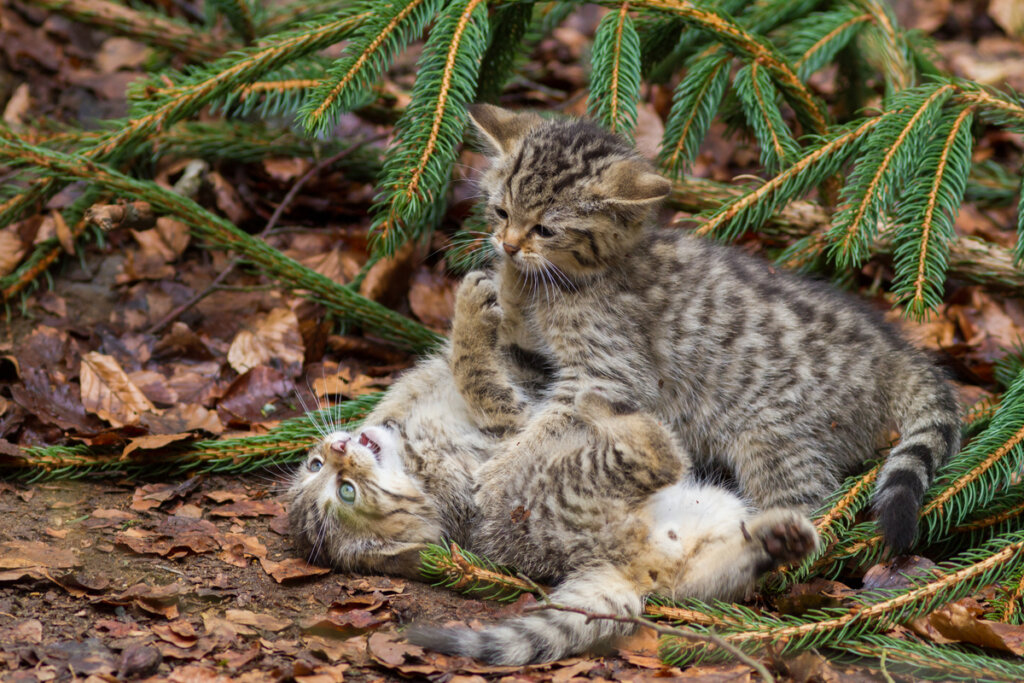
point(291, 568)
point(11, 250)
point(274, 337)
point(108, 392)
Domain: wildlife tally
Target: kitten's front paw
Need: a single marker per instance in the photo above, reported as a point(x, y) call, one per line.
point(786, 536)
point(477, 299)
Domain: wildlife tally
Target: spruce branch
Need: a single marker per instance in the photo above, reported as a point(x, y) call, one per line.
point(890, 156)
point(1008, 606)
point(757, 96)
point(341, 300)
point(753, 48)
point(388, 29)
point(450, 566)
point(149, 27)
point(694, 103)
point(287, 442)
point(417, 166)
point(708, 637)
point(815, 40)
point(985, 466)
point(615, 78)
point(927, 660)
point(509, 25)
point(890, 53)
point(871, 611)
point(218, 80)
point(819, 162)
point(924, 229)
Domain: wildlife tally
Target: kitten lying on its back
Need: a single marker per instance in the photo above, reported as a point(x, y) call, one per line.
point(786, 382)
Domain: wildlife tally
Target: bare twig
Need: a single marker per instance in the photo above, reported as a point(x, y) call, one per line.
point(709, 637)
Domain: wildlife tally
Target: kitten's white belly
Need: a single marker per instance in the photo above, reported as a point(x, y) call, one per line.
point(687, 512)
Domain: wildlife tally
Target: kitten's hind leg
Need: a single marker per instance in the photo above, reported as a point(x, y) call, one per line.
point(634, 454)
point(782, 471)
point(729, 569)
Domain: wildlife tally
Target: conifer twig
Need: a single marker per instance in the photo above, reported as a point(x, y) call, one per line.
point(221, 233)
point(709, 637)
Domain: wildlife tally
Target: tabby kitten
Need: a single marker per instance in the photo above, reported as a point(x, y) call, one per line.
point(608, 508)
point(371, 500)
point(784, 381)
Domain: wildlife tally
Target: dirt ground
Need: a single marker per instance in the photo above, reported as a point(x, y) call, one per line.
point(108, 580)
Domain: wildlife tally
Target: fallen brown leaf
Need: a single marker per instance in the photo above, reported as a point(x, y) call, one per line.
point(108, 392)
point(291, 568)
point(153, 442)
point(1009, 14)
point(432, 297)
point(274, 338)
point(345, 623)
point(25, 554)
point(120, 53)
point(265, 622)
point(959, 621)
point(391, 650)
point(64, 236)
point(250, 396)
point(227, 198)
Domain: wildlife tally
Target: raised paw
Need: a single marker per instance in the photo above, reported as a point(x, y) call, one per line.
point(786, 536)
point(477, 299)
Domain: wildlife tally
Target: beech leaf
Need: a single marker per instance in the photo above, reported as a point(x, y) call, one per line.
point(275, 336)
point(108, 392)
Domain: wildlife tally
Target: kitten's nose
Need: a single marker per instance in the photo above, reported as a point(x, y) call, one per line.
point(340, 445)
point(510, 249)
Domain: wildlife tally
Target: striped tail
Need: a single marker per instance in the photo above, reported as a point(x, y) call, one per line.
point(929, 436)
point(546, 635)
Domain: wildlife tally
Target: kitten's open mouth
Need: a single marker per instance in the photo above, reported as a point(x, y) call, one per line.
point(364, 440)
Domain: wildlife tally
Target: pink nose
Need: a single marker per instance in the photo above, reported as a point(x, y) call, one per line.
point(510, 249)
point(340, 445)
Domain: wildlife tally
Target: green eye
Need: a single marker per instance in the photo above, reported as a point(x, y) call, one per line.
point(347, 491)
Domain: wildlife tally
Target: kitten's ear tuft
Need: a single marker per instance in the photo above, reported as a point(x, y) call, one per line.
point(632, 181)
point(500, 129)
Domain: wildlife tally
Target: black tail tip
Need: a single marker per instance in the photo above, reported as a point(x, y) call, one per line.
point(897, 518)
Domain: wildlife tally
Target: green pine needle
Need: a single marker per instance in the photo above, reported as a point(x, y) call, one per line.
point(417, 166)
point(890, 157)
point(694, 103)
point(924, 218)
point(759, 100)
point(615, 79)
point(387, 30)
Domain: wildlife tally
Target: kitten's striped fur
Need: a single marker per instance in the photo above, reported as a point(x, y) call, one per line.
point(606, 507)
point(786, 382)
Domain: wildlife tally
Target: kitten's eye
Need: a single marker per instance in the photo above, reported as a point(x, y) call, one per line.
point(391, 424)
point(314, 464)
point(542, 231)
point(502, 214)
point(347, 491)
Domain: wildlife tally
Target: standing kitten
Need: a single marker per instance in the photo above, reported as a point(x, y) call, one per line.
point(788, 383)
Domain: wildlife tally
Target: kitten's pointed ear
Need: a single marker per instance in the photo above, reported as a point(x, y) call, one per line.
point(632, 181)
point(500, 129)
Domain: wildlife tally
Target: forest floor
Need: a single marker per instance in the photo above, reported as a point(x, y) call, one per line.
point(194, 579)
